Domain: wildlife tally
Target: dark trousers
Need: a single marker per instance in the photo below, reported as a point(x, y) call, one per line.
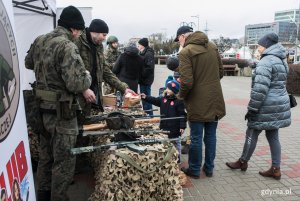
point(251, 141)
point(146, 89)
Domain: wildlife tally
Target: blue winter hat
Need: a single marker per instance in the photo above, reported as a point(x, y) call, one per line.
point(170, 78)
point(174, 86)
point(268, 40)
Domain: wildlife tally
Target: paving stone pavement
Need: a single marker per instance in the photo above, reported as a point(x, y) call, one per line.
point(236, 185)
point(226, 184)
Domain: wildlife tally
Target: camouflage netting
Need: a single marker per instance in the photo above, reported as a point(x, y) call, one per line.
point(293, 79)
point(117, 179)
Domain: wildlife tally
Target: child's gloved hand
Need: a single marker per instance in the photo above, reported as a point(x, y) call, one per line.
point(182, 131)
point(143, 96)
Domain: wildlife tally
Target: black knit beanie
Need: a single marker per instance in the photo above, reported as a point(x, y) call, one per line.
point(268, 40)
point(98, 26)
point(71, 18)
point(172, 63)
point(144, 42)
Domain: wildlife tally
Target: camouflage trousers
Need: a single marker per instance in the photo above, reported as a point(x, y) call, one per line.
point(56, 165)
point(107, 89)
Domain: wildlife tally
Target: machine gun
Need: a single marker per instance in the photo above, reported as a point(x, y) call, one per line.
point(88, 149)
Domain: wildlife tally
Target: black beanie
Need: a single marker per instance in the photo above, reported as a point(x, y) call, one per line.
point(144, 42)
point(268, 40)
point(71, 18)
point(98, 26)
point(172, 63)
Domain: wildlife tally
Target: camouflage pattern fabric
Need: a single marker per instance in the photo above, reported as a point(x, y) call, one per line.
point(103, 71)
point(117, 179)
point(55, 145)
point(58, 68)
point(111, 55)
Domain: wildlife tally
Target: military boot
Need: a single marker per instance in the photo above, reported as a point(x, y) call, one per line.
point(239, 164)
point(272, 172)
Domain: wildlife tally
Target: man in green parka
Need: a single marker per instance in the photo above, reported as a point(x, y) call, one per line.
point(200, 69)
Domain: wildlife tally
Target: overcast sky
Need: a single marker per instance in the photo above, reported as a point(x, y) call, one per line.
point(138, 18)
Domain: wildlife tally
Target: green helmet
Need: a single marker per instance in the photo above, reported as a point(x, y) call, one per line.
point(111, 39)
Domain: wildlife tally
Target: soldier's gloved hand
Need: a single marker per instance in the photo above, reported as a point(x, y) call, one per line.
point(89, 96)
point(130, 91)
point(250, 114)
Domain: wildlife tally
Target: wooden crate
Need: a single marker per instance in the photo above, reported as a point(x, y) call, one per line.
point(109, 100)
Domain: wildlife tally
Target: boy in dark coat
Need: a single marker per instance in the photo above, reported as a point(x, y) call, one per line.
point(170, 106)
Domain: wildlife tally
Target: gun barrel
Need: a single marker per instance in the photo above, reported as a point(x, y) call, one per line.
point(80, 150)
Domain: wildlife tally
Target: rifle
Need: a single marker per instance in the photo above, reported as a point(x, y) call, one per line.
point(136, 132)
point(88, 149)
point(97, 118)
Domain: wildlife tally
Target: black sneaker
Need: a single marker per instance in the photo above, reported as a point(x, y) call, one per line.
point(188, 173)
point(208, 174)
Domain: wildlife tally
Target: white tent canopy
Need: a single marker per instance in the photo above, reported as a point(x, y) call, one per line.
point(32, 18)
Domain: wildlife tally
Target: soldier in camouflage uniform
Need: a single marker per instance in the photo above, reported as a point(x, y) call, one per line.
point(111, 55)
point(6, 74)
point(60, 76)
point(91, 50)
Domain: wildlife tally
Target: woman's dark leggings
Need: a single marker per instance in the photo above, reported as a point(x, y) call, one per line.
point(251, 141)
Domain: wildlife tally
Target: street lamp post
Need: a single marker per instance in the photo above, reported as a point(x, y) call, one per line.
point(197, 16)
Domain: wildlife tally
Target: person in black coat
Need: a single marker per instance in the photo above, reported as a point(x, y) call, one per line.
point(170, 106)
point(129, 66)
point(147, 76)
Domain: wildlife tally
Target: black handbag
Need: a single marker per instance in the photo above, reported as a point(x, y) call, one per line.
point(293, 102)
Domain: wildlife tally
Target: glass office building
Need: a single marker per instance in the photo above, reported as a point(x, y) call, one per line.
point(286, 31)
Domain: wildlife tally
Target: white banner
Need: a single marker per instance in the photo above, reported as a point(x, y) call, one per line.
point(16, 179)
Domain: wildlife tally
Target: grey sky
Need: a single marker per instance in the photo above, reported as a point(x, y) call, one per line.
point(137, 18)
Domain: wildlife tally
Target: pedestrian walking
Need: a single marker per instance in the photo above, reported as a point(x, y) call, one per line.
point(269, 105)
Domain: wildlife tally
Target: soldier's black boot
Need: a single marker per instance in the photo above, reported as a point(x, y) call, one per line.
point(44, 196)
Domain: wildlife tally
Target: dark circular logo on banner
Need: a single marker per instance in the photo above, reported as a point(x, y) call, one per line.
point(9, 75)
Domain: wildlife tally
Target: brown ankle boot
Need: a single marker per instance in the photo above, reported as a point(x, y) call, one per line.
point(272, 172)
point(239, 164)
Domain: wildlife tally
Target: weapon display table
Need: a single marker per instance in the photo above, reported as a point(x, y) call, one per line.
point(128, 175)
point(142, 171)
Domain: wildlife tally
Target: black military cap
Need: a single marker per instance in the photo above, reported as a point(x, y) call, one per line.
point(183, 30)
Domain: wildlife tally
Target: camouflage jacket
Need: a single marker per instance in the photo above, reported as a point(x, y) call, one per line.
point(57, 64)
point(111, 55)
point(103, 71)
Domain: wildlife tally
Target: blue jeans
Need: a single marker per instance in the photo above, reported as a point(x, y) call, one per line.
point(146, 89)
point(210, 141)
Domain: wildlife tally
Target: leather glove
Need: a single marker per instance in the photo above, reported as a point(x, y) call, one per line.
point(250, 114)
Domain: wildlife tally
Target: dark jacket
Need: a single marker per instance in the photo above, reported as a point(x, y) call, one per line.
point(200, 69)
point(269, 98)
point(100, 74)
point(147, 76)
point(170, 107)
point(128, 67)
